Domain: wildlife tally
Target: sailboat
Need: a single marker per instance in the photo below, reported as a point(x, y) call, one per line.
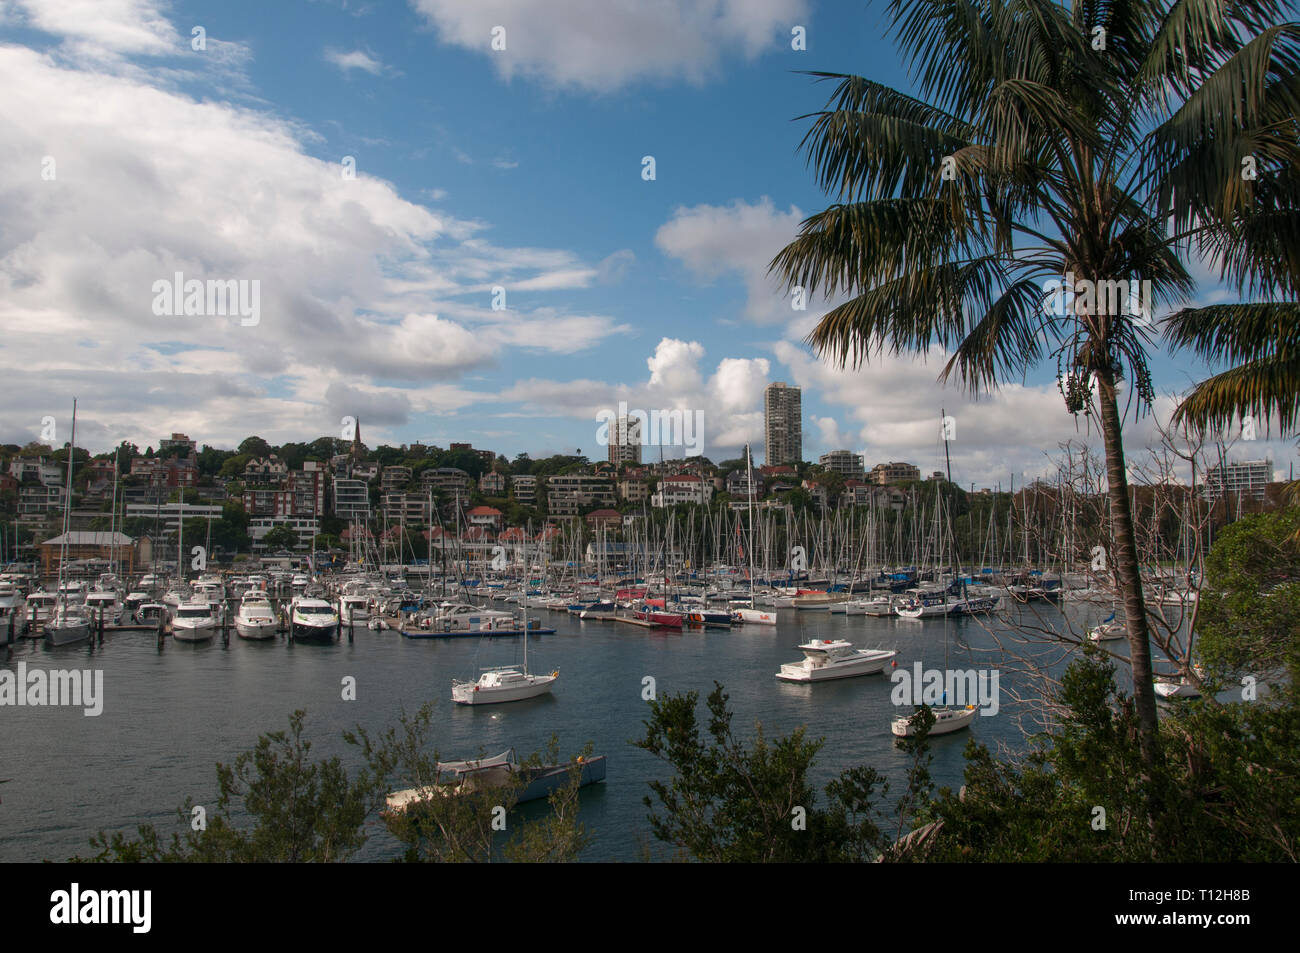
point(946, 719)
point(70, 623)
point(504, 683)
point(752, 614)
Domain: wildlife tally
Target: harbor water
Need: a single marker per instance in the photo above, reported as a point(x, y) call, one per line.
point(171, 713)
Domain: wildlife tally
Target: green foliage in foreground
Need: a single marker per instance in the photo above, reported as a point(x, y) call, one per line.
point(730, 802)
point(1227, 789)
point(297, 810)
point(1249, 613)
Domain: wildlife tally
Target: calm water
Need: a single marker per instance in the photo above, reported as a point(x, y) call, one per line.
point(170, 715)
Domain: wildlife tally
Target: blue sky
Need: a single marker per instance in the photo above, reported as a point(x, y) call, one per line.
point(474, 168)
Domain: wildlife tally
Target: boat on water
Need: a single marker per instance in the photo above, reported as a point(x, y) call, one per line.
point(826, 659)
point(922, 604)
point(70, 624)
point(461, 619)
point(256, 618)
point(154, 614)
point(602, 611)
point(752, 616)
point(503, 683)
point(945, 720)
point(313, 620)
point(13, 610)
point(464, 777)
point(649, 612)
point(105, 604)
point(818, 599)
point(354, 607)
point(194, 621)
point(1109, 629)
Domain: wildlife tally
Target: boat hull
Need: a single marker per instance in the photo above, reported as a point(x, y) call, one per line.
point(803, 672)
point(256, 631)
point(755, 616)
point(319, 634)
point(66, 633)
point(468, 693)
point(947, 720)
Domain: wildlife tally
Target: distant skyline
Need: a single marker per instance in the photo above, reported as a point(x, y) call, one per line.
point(451, 240)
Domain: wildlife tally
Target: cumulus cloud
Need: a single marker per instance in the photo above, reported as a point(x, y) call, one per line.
point(601, 45)
point(115, 26)
point(736, 241)
point(729, 395)
point(109, 184)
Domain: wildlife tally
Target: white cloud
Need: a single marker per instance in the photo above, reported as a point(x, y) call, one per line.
point(357, 284)
point(730, 397)
point(600, 45)
point(356, 59)
point(736, 240)
point(114, 26)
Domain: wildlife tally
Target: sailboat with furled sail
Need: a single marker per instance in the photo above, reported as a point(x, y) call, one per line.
point(946, 719)
point(70, 623)
point(752, 614)
point(504, 683)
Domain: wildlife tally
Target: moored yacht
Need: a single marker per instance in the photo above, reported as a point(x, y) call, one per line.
point(69, 624)
point(507, 683)
point(945, 720)
point(313, 620)
point(194, 622)
point(13, 609)
point(826, 659)
point(256, 617)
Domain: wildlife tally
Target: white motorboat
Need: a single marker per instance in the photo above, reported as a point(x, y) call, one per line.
point(104, 603)
point(154, 614)
point(256, 617)
point(313, 620)
point(354, 607)
point(13, 609)
point(826, 659)
point(924, 605)
point(132, 603)
point(945, 720)
point(194, 622)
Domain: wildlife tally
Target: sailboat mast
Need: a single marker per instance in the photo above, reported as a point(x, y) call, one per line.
point(67, 504)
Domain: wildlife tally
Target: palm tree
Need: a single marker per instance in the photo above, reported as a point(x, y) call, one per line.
point(1082, 149)
point(1262, 339)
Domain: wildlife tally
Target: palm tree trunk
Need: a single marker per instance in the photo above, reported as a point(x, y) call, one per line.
point(1127, 570)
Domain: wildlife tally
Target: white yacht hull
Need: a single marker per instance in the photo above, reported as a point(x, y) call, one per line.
point(66, 633)
point(755, 616)
point(946, 720)
point(255, 630)
point(470, 693)
point(870, 663)
point(196, 633)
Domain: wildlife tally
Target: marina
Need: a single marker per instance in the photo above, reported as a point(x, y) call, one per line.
point(172, 707)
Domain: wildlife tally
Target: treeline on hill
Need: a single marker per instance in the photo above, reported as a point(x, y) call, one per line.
point(1226, 788)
